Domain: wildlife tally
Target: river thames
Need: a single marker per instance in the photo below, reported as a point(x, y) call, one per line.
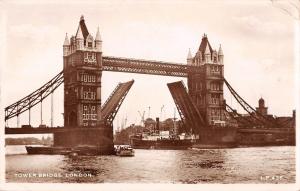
point(238, 165)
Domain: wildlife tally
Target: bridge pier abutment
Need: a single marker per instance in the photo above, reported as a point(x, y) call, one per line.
point(99, 139)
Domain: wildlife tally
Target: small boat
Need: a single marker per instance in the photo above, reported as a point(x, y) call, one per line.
point(73, 154)
point(124, 151)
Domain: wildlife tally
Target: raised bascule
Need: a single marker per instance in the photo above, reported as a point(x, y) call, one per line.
point(202, 107)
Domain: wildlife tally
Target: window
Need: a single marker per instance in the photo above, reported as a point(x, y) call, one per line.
point(85, 111)
point(88, 78)
point(90, 44)
point(90, 58)
point(215, 86)
point(215, 70)
point(215, 99)
point(215, 114)
point(215, 59)
point(89, 93)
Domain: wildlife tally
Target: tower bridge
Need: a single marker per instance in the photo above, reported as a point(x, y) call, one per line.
point(86, 121)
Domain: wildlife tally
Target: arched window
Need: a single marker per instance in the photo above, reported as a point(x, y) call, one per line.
point(89, 40)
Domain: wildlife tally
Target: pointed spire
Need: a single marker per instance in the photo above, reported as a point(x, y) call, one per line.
point(220, 50)
point(79, 34)
point(66, 42)
point(81, 18)
point(189, 56)
point(204, 45)
point(98, 36)
point(98, 41)
point(207, 51)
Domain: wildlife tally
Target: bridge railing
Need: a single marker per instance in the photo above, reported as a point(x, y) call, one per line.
point(256, 117)
point(34, 98)
point(131, 65)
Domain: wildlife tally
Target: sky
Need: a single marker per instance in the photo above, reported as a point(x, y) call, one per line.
point(257, 40)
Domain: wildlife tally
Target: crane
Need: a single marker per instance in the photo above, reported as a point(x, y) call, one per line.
point(125, 121)
point(142, 117)
point(161, 111)
point(149, 111)
point(174, 123)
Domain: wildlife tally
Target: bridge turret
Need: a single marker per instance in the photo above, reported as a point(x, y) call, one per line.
point(89, 44)
point(261, 107)
point(82, 79)
point(98, 41)
point(198, 58)
point(189, 58)
point(206, 89)
point(66, 45)
point(220, 55)
point(207, 55)
point(214, 57)
point(261, 102)
point(79, 39)
point(72, 44)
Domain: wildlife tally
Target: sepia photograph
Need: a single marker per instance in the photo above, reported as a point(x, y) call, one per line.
point(149, 95)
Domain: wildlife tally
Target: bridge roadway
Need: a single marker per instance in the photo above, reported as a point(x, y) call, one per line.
point(44, 130)
point(152, 67)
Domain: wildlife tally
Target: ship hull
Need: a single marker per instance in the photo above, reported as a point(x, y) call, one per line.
point(47, 150)
point(88, 150)
point(161, 144)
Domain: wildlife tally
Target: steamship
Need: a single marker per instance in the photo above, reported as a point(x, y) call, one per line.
point(160, 141)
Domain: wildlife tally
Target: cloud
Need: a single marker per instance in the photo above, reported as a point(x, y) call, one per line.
point(38, 33)
point(254, 25)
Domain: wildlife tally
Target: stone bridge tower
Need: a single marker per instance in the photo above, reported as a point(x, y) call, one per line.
point(82, 55)
point(206, 89)
point(82, 78)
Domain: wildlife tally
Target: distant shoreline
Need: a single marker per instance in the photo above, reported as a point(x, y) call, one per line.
point(28, 141)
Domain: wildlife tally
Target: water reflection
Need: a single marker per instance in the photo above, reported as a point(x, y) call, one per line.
point(241, 165)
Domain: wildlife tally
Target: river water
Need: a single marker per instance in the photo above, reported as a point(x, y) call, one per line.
point(238, 165)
